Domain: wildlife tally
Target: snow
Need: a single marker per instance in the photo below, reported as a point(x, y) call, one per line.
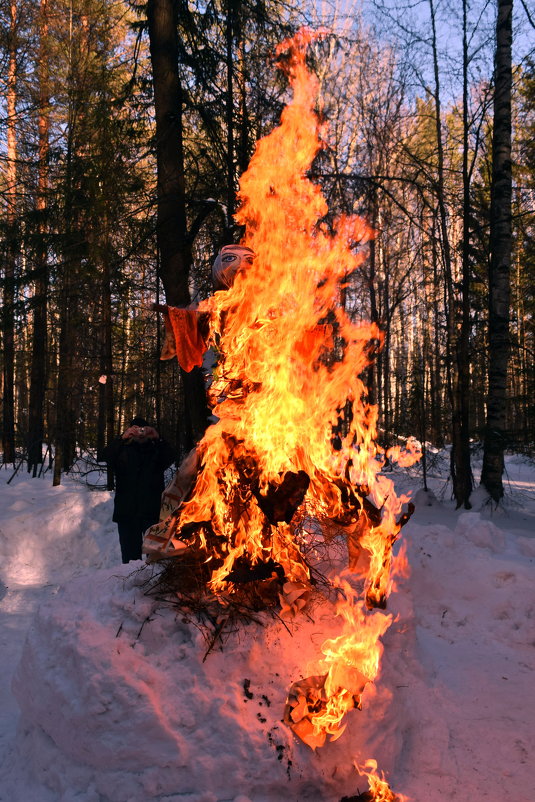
point(110, 696)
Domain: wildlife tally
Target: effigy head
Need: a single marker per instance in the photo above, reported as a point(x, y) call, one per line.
point(228, 262)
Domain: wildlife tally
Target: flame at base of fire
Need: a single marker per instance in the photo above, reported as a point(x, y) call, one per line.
point(379, 790)
point(317, 705)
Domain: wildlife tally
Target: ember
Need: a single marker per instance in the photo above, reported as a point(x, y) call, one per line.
point(290, 360)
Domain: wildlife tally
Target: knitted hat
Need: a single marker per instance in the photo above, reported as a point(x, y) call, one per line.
point(138, 422)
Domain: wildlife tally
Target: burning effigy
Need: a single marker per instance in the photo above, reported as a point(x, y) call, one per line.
point(269, 482)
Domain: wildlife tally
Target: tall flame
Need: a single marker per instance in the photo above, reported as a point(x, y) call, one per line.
point(277, 325)
point(352, 660)
point(290, 360)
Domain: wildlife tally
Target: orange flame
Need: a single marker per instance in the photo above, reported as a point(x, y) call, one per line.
point(378, 786)
point(290, 360)
point(352, 659)
point(279, 389)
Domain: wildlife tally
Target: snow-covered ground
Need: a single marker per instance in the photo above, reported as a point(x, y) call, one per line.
point(106, 696)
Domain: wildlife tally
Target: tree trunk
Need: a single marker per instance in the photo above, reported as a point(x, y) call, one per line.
point(175, 251)
point(106, 417)
point(173, 242)
point(457, 464)
point(8, 319)
point(64, 390)
point(64, 435)
point(463, 470)
point(231, 190)
point(242, 155)
point(439, 399)
point(371, 380)
point(384, 362)
point(500, 258)
point(40, 301)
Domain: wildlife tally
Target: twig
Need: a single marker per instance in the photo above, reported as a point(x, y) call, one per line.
point(146, 621)
point(217, 633)
point(15, 472)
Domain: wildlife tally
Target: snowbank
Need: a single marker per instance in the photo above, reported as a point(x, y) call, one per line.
point(116, 697)
point(118, 704)
point(47, 532)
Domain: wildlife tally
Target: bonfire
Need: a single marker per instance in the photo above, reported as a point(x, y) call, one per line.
point(270, 492)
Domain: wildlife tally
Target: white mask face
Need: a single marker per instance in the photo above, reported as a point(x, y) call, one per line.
point(230, 259)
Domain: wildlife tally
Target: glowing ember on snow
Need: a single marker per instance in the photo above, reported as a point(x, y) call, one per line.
point(290, 360)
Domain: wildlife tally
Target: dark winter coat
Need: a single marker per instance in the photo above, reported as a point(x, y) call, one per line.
point(139, 477)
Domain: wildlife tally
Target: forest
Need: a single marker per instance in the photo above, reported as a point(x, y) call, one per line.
point(125, 128)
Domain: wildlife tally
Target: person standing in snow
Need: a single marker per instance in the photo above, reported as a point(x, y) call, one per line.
point(138, 458)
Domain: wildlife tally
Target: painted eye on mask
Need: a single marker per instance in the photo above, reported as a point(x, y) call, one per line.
point(230, 257)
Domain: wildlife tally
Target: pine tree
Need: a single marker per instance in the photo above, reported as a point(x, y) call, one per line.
point(500, 258)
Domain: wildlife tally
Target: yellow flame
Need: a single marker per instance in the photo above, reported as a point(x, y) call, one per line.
point(290, 361)
point(378, 786)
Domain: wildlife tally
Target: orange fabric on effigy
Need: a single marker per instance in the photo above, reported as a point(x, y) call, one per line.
point(183, 338)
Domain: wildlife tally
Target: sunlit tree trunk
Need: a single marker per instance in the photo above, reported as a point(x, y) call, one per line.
point(500, 258)
point(8, 320)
